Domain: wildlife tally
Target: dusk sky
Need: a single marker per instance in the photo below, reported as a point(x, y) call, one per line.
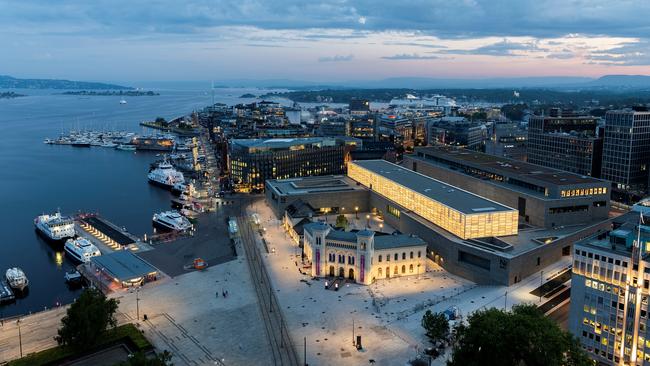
point(322, 40)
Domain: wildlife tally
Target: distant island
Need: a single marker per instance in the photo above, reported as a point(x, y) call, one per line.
point(119, 93)
point(8, 82)
point(10, 95)
point(248, 95)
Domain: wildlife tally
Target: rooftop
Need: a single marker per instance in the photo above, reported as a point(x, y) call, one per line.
point(508, 167)
point(322, 184)
point(448, 195)
point(123, 265)
point(285, 143)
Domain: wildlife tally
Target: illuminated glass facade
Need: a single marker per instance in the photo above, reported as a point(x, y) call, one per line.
point(485, 219)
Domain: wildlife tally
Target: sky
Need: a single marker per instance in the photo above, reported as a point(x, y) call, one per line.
point(323, 41)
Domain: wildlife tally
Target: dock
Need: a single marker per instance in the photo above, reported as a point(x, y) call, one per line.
point(109, 234)
point(6, 293)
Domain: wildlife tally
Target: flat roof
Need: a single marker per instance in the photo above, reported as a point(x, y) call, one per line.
point(279, 143)
point(116, 235)
point(123, 265)
point(317, 184)
point(448, 195)
point(508, 167)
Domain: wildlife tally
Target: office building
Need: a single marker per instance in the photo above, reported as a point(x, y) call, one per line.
point(609, 292)
point(359, 106)
point(457, 132)
point(253, 161)
point(566, 141)
point(626, 149)
point(543, 196)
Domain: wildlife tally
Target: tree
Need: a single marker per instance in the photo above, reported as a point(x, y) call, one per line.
point(87, 320)
point(342, 222)
point(435, 324)
point(140, 359)
point(522, 337)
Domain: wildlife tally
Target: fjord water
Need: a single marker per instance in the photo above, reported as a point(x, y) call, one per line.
point(36, 178)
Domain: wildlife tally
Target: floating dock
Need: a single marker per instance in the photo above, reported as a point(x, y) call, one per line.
point(6, 293)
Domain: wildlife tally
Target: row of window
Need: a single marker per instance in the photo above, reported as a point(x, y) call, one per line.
point(380, 271)
point(396, 256)
point(334, 258)
point(582, 192)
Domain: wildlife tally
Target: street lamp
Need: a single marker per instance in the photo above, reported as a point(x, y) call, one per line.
point(20, 338)
point(541, 283)
point(368, 221)
point(137, 304)
point(381, 227)
point(356, 212)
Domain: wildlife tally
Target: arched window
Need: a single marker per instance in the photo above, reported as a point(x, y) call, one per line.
point(380, 272)
point(410, 268)
point(396, 256)
point(380, 262)
point(403, 255)
point(411, 255)
point(403, 269)
point(419, 254)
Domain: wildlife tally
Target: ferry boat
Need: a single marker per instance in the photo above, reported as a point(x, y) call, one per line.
point(81, 249)
point(172, 220)
point(55, 227)
point(16, 279)
point(165, 175)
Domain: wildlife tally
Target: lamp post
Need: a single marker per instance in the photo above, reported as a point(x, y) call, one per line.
point(356, 212)
point(137, 304)
point(541, 283)
point(381, 227)
point(368, 220)
point(505, 302)
point(20, 338)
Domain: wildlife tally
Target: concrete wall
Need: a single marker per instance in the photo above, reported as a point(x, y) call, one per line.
point(537, 209)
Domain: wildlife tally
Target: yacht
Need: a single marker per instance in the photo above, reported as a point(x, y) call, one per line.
point(108, 144)
point(80, 142)
point(81, 249)
point(125, 147)
point(172, 220)
point(73, 277)
point(122, 101)
point(16, 279)
point(48, 141)
point(165, 175)
point(55, 227)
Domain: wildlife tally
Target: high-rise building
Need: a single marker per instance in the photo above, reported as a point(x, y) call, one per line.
point(610, 290)
point(359, 106)
point(566, 141)
point(253, 161)
point(626, 149)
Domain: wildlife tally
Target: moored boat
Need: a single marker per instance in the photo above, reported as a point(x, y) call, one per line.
point(16, 279)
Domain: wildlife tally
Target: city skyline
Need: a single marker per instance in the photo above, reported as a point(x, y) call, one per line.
point(323, 41)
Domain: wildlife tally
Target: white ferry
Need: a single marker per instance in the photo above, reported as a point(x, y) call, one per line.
point(16, 279)
point(166, 176)
point(172, 220)
point(81, 249)
point(55, 227)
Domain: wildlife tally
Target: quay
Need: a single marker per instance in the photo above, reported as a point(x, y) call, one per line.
point(107, 233)
point(176, 130)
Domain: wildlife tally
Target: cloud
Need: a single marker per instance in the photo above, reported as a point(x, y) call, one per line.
point(412, 56)
point(502, 48)
point(561, 55)
point(336, 58)
point(630, 54)
point(444, 19)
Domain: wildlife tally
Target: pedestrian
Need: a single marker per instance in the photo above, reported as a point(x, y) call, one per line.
point(217, 294)
point(223, 293)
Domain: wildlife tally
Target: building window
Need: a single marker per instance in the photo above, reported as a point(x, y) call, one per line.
point(419, 254)
point(388, 258)
point(410, 268)
point(411, 254)
point(403, 269)
point(380, 260)
point(396, 256)
point(380, 272)
point(393, 211)
point(403, 255)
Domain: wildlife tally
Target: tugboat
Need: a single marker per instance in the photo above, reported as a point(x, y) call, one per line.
point(171, 220)
point(17, 279)
point(55, 227)
point(165, 175)
point(81, 250)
